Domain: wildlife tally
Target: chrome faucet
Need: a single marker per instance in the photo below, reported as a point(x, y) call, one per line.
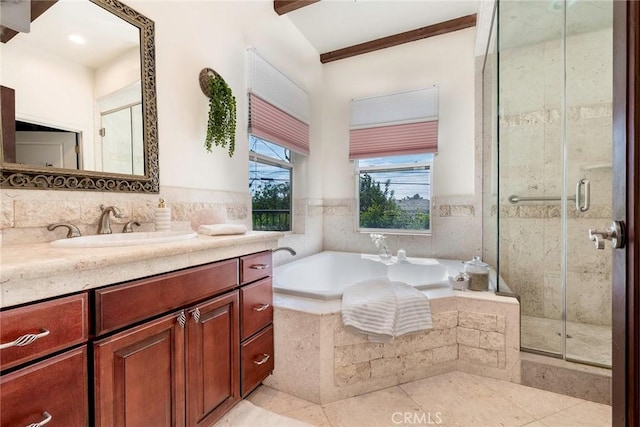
point(285, 248)
point(104, 224)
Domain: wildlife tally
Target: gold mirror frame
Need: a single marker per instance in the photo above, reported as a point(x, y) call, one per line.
point(18, 176)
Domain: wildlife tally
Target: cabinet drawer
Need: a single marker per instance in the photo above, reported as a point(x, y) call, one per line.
point(65, 319)
point(57, 386)
point(122, 305)
point(257, 360)
point(254, 267)
point(257, 311)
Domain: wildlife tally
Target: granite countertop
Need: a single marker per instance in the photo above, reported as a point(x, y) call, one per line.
point(35, 271)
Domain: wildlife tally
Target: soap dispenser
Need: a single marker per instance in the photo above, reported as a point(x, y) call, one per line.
point(163, 217)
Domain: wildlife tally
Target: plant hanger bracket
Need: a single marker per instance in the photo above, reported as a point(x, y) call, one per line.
point(205, 74)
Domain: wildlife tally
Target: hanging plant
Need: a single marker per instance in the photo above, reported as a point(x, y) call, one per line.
point(221, 125)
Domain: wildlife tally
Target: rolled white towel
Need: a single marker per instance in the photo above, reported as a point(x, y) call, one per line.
point(222, 229)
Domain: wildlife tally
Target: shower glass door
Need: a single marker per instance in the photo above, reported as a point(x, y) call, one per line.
point(554, 131)
point(588, 173)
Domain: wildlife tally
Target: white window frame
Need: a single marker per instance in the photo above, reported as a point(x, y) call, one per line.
point(399, 167)
point(272, 161)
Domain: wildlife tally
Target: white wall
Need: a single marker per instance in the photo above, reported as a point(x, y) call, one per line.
point(446, 61)
point(119, 73)
point(50, 90)
point(194, 35)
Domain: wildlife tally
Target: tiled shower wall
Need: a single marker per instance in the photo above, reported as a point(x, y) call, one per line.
point(531, 162)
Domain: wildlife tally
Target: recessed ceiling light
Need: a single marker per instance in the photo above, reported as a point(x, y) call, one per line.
point(77, 39)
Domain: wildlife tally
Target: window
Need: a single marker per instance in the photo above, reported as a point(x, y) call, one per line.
point(394, 193)
point(270, 172)
point(278, 125)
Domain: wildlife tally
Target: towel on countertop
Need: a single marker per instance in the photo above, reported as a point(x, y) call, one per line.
point(222, 229)
point(384, 310)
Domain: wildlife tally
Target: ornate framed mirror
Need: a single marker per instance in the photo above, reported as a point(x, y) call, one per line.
point(79, 99)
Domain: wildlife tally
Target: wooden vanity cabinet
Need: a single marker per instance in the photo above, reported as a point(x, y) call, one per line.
point(177, 350)
point(182, 369)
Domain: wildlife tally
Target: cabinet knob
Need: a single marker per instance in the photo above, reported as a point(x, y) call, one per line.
point(260, 307)
point(45, 420)
point(259, 266)
point(262, 361)
point(24, 340)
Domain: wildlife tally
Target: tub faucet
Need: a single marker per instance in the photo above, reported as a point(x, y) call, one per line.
point(285, 248)
point(104, 224)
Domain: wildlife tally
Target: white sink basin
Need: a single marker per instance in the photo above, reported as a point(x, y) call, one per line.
point(124, 239)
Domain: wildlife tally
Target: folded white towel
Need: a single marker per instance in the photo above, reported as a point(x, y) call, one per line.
point(222, 229)
point(384, 310)
point(369, 307)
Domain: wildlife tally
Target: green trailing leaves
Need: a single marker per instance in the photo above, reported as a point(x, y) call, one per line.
point(221, 126)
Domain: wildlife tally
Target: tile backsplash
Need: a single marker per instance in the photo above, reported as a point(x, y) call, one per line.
point(25, 214)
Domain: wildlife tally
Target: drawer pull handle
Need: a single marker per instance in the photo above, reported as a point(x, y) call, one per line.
point(24, 340)
point(182, 319)
point(262, 361)
point(259, 266)
point(196, 314)
point(47, 418)
point(260, 307)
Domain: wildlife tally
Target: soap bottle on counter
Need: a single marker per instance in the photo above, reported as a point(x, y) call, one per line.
point(162, 217)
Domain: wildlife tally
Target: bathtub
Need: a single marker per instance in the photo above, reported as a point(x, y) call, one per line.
point(325, 275)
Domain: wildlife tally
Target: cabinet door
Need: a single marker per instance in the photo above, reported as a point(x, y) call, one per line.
point(139, 375)
point(55, 389)
point(213, 360)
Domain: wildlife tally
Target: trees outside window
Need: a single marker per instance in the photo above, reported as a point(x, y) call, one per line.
point(394, 194)
point(270, 172)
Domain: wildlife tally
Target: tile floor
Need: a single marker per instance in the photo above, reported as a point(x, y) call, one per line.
point(452, 399)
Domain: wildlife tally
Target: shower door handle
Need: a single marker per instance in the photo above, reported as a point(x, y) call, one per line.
point(583, 199)
point(616, 233)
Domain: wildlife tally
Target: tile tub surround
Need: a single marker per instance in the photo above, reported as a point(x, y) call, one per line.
point(456, 234)
point(35, 271)
point(318, 360)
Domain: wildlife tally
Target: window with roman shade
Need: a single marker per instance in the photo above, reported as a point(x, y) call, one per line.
point(279, 109)
point(397, 124)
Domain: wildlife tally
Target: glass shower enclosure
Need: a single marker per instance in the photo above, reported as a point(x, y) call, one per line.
point(553, 171)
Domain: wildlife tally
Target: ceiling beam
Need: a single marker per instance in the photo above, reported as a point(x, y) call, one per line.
point(285, 6)
point(37, 8)
point(401, 38)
